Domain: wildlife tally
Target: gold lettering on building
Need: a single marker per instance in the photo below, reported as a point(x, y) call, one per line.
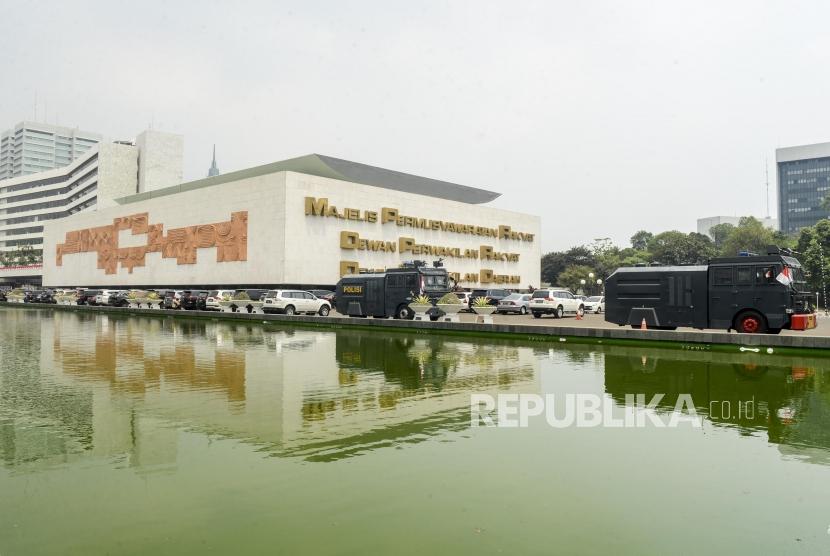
point(349, 267)
point(320, 207)
point(352, 240)
point(487, 276)
point(488, 254)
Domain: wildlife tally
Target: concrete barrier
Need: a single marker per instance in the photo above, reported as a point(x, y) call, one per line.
point(684, 340)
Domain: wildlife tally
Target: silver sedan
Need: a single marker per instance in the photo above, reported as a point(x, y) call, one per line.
point(514, 303)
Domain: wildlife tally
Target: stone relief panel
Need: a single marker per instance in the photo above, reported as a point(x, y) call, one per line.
point(230, 239)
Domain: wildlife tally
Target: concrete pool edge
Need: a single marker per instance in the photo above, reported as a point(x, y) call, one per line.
point(680, 340)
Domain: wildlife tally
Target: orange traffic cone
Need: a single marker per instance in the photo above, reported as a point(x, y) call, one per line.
point(643, 325)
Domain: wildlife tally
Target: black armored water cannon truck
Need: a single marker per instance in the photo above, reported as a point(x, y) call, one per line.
point(389, 293)
point(749, 293)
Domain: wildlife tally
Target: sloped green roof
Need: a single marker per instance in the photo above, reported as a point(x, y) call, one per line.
point(335, 168)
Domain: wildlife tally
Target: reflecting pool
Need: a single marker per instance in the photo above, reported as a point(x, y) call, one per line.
point(136, 435)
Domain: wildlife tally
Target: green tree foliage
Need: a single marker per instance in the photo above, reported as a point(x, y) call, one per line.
point(669, 248)
point(555, 262)
point(571, 276)
point(750, 235)
point(639, 241)
point(677, 248)
point(720, 232)
point(814, 254)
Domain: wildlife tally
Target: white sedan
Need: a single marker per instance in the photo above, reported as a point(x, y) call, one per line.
point(595, 304)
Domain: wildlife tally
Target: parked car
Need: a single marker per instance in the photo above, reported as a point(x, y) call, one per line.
point(595, 304)
point(194, 300)
point(514, 303)
point(328, 295)
point(87, 297)
point(119, 299)
point(172, 299)
point(493, 296)
point(38, 296)
point(290, 302)
point(103, 298)
point(214, 297)
point(554, 302)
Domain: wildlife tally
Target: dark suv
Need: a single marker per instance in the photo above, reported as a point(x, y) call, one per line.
point(194, 300)
point(493, 296)
point(119, 299)
point(87, 297)
point(38, 296)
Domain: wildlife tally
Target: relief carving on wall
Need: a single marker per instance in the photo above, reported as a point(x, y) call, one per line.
point(230, 239)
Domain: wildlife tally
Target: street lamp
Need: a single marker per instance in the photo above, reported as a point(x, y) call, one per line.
point(582, 283)
point(599, 286)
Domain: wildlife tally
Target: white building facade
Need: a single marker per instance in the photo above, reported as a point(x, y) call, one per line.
point(31, 147)
point(106, 172)
point(303, 223)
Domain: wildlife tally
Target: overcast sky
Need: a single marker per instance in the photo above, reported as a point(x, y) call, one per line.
point(601, 117)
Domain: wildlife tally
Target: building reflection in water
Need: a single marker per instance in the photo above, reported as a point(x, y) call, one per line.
point(320, 395)
point(81, 385)
point(785, 398)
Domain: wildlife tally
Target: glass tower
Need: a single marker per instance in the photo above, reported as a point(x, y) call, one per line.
point(31, 147)
point(803, 185)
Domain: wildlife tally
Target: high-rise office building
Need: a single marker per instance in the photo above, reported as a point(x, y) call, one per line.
point(803, 184)
point(31, 147)
point(95, 180)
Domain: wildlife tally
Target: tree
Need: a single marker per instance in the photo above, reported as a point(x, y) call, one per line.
point(677, 248)
point(639, 241)
point(571, 276)
point(720, 232)
point(631, 257)
point(555, 262)
point(814, 254)
point(750, 235)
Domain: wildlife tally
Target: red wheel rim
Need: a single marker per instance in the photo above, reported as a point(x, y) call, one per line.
point(751, 324)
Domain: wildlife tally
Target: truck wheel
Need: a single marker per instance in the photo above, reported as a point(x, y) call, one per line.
point(750, 322)
point(289, 310)
point(560, 312)
point(537, 315)
point(324, 311)
point(404, 313)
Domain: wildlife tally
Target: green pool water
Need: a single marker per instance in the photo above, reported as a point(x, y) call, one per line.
point(141, 435)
